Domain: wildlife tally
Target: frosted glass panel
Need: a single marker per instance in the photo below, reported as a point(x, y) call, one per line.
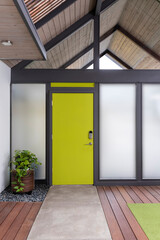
point(28, 121)
point(151, 131)
point(117, 131)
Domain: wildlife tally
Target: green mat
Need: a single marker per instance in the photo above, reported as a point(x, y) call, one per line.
point(148, 216)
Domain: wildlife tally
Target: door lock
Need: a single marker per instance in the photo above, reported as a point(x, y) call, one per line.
point(90, 143)
point(90, 134)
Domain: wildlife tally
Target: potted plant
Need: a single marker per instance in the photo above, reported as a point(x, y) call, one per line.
point(22, 176)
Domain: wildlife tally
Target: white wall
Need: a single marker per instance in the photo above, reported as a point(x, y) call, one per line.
point(4, 125)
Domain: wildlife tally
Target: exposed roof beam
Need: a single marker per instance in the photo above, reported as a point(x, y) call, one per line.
point(138, 42)
point(29, 24)
point(74, 27)
point(87, 49)
point(75, 58)
point(107, 3)
point(102, 6)
point(117, 59)
point(98, 7)
point(96, 41)
point(53, 42)
point(55, 12)
point(87, 65)
point(21, 64)
point(78, 75)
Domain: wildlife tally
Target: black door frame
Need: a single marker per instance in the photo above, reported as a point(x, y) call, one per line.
point(50, 91)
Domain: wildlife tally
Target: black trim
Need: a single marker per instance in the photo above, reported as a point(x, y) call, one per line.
point(48, 137)
point(127, 182)
point(87, 65)
point(96, 42)
point(29, 24)
point(49, 129)
point(72, 89)
point(40, 181)
point(117, 60)
point(10, 130)
point(54, 12)
point(98, 7)
point(78, 75)
point(139, 132)
point(96, 134)
point(107, 3)
point(21, 65)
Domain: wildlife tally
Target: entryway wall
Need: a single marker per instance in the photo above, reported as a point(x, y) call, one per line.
point(128, 153)
point(5, 79)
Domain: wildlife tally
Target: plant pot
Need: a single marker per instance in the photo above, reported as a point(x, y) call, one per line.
point(28, 180)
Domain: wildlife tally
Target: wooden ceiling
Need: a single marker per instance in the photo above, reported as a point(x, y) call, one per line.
point(18, 30)
point(67, 49)
point(139, 18)
point(40, 8)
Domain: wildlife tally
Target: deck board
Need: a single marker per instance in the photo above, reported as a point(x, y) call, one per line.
point(110, 217)
point(16, 219)
point(121, 222)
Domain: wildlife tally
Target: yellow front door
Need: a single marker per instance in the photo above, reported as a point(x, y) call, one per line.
point(72, 119)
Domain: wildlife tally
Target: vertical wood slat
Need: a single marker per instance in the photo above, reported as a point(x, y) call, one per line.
point(110, 217)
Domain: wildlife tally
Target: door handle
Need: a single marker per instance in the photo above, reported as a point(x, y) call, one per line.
point(90, 143)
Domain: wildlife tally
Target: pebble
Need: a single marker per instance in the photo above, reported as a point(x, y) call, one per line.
point(38, 195)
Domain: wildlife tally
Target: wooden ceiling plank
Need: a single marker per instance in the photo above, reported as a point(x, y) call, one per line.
point(117, 59)
point(74, 27)
point(42, 12)
point(139, 43)
point(87, 49)
point(54, 13)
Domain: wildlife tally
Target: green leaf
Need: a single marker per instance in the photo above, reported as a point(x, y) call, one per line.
point(14, 183)
point(16, 187)
point(22, 184)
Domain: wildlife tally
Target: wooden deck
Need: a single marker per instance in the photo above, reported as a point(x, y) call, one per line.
point(16, 219)
point(121, 222)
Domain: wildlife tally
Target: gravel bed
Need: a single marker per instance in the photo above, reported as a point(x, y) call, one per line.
point(38, 195)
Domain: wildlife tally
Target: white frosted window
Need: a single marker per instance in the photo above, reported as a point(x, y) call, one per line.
point(117, 131)
point(28, 121)
point(151, 131)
